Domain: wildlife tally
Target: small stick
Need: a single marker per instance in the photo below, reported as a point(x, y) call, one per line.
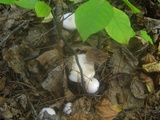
point(72, 50)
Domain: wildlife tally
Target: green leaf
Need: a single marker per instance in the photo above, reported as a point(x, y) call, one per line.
point(92, 16)
point(28, 4)
point(132, 7)
point(7, 1)
point(42, 9)
point(119, 27)
point(159, 1)
point(145, 36)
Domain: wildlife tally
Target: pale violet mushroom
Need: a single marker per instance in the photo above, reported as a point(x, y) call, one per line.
point(47, 113)
point(69, 21)
point(87, 67)
point(92, 86)
point(67, 108)
point(91, 83)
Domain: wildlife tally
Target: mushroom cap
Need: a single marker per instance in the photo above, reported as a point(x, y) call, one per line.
point(87, 67)
point(50, 111)
point(67, 108)
point(92, 86)
point(69, 21)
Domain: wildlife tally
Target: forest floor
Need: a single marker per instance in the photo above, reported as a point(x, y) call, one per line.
point(34, 71)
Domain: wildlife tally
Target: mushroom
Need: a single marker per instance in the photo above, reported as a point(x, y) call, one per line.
point(91, 83)
point(47, 113)
point(87, 67)
point(67, 108)
point(92, 86)
point(69, 21)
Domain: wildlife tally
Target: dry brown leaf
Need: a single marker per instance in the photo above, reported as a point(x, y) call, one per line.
point(80, 115)
point(152, 67)
point(48, 57)
point(106, 110)
point(149, 58)
point(123, 61)
point(149, 82)
point(54, 81)
point(95, 55)
point(138, 88)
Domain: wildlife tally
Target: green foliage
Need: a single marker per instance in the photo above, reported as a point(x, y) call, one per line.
point(7, 1)
point(145, 36)
point(92, 16)
point(119, 27)
point(132, 7)
point(159, 1)
point(28, 4)
point(42, 9)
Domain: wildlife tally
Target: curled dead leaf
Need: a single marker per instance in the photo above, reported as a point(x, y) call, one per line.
point(106, 110)
point(149, 82)
point(152, 67)
point(149, 58)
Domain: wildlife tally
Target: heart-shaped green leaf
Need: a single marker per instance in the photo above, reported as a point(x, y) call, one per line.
point(7, 1)
point(119, 27)
point(92, 16)
point(42, 9)
point(28, 4)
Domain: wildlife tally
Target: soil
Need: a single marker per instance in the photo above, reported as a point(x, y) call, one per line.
point(36, 59)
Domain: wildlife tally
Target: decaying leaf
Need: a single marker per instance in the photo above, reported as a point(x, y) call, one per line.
point(15, 61)
point(149, 58)
point(123, 61)
point(138, 88)
point(54, 81)
point(95, 55)
point(152, 67)
point(48, 57)
point(149, 82)
point(80, 115)
point(106, 110)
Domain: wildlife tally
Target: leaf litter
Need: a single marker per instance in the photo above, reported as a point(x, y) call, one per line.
point(34, 71)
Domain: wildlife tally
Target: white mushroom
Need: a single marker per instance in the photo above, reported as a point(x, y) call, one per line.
point(67, 108)
point(50, 111)
point(69, 21)
point(87, 67)
point(92, 86)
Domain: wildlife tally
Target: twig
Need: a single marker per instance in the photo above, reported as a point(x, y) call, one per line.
point(2, 43)
point(72, 50)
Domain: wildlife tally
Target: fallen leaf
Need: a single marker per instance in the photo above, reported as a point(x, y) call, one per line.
point(149, 82)
point(95, 55)
point(54, 81)
point(148, 58)
point(152, 67)
point(123, 61)
point(80, 115)
point(138, 88)
point(106, 110)
point(48, 57)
